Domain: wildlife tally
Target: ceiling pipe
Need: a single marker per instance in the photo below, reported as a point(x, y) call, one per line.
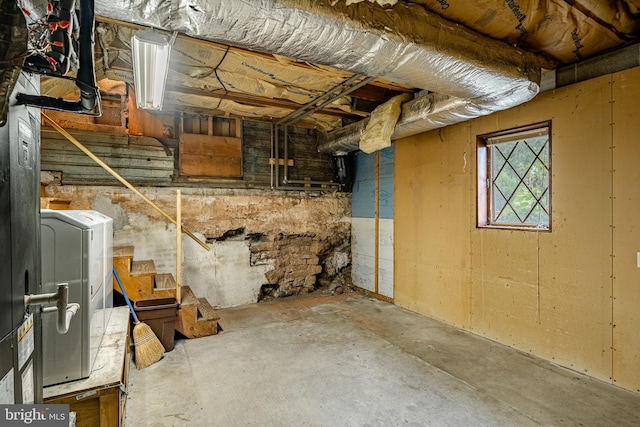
point(470, 74)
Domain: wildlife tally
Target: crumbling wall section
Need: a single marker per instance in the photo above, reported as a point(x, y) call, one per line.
point(264, 244)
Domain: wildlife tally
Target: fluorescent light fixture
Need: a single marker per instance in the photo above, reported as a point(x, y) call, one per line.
point(150, 66)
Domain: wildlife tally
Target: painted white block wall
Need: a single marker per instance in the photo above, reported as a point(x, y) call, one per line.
point(363, 253)
point(385, 257)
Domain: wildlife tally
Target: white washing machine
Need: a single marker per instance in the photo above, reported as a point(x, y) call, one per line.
point(77, 248)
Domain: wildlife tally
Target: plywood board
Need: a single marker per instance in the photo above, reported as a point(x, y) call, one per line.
point(505, 281)
point(548, 293)
point(572, 263)
point(212, 156)
point(626, 243)
point(431, 224)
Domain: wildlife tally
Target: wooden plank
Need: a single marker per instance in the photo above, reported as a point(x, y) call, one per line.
point(145, 140)
point(123, 251)
point(110, 410)
point(626, 233)
point(205, 311)
point(272, 161)
point(59, 161)
point(206, 145)
point(214, 166)
point(85, 123)
point(165, 281)
point(178, 245)
point(188, 297)
point(143, 267)
point(222, 127)
point(87, 411)
point(238, 130)
point(86, 137)
point(84, 174)
point(118, 151)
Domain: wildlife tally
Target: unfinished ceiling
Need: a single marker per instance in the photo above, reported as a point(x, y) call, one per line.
point(339, 59)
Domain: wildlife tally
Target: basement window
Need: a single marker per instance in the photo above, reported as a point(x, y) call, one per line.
point(514, 178)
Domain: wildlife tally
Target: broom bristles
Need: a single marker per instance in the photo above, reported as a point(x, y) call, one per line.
point(148, 347)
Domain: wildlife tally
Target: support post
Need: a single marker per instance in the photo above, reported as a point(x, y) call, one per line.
point(178, 245)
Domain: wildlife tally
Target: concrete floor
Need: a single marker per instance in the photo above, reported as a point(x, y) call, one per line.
point(351, 360)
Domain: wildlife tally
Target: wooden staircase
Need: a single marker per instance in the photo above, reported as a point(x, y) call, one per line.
point(196, 318)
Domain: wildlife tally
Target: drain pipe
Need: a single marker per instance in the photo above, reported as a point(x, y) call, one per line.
point(61, 298)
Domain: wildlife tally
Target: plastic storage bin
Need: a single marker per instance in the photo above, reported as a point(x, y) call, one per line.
point(160, 314)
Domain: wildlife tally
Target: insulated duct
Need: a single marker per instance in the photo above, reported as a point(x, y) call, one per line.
point(473, 75)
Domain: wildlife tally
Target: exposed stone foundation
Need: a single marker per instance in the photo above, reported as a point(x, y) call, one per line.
point(264, 244)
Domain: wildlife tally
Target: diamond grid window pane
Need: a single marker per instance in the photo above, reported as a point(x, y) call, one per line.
point(519, 179)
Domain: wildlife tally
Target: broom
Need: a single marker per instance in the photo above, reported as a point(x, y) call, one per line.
point(148, 348)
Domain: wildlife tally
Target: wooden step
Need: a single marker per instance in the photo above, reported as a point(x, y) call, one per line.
point(187, 296)
point(165, 281)
point(205, 311)
point(143, 267)
point(122, 257)
point(196, 317)
point(123, 251)
point(139, 278)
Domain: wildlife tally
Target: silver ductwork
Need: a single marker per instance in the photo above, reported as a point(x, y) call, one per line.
point(471, 75)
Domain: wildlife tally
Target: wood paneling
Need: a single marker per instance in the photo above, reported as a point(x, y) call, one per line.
point(308, 163)
point(626, 231)
point(211, 156)
point(562, 311)
point(136, 163)
point(432, 210)
point(568, 295)
point(148, 160)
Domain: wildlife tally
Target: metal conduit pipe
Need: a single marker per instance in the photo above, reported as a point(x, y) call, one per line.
point(277, 158)
point(286, 154)
point(302, 181)
point(294, 116)
point(273, 161)
point(345, 92)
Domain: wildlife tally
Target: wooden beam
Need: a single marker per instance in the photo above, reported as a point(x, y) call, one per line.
point(254, 100)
